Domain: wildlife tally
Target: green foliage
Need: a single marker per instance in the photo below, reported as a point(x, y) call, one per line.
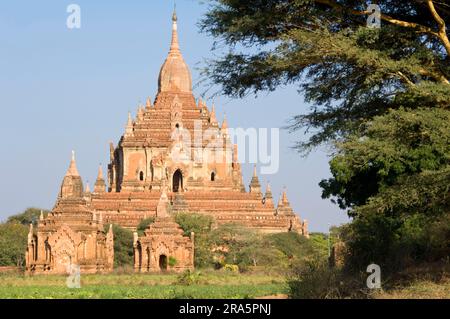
point(210, 284)
point(144, 224)
point(398, 162)
point(191, 222)
point(13, 244)
point(395, 243)
point(188, 278)
point(230, 267)
point(172, 261)
point(30, 215)
point(246, 248)
point(201, 226)
point(348, 71)
point(123, 246)
point(393, 176)
point(379, 96)
point(13, 236)
point(315, 280)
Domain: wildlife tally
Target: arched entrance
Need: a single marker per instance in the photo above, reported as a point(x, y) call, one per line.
point(163, 262)
point(177, 181)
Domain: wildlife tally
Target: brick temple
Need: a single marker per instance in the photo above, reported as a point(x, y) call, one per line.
point(160, 155)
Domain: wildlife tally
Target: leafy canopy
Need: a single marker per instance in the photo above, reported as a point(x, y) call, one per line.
point(347, 71)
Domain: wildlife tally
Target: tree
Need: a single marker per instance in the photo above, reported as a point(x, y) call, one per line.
point(201, 225)
point(123, 246)
point(396, 164)
point(13, 243)
point(348, 71)
point(30, 215)
point(380, 98)
point(192, 222)
point(393, 177)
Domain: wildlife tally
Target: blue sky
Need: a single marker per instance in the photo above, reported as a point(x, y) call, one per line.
point(63, 89)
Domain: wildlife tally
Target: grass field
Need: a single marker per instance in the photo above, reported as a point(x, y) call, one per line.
point(213, 284)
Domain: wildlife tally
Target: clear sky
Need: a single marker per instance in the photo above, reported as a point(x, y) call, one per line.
point(63, 89)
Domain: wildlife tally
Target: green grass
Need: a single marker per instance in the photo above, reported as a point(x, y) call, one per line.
point(148, 286)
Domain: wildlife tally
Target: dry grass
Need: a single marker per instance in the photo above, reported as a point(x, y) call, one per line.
point(417, 290)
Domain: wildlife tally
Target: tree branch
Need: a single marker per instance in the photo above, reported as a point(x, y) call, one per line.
point(406, 24)
point(442, 34)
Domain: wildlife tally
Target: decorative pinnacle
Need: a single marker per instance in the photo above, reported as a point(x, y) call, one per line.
point(174, 15)
point(100, 172)
point(174, 46)
point(72, 167)
point(213, 115)
point(224, 123)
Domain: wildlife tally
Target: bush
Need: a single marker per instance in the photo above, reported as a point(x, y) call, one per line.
point(143, 225)
point(395, 243)
point(172, 261)
point(315, 280)
point(230, 267)
point(189, 277)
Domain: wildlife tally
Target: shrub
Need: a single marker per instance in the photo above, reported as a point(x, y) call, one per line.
point(144, 224)
point(172, 261)
point(188, 278)
point(315, 280)
point(232, 268)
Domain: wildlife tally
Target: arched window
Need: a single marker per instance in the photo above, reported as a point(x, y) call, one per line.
point(177, 125)
point(141, 176)
point(213, 176)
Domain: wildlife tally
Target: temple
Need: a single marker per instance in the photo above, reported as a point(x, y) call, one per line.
point(71, 235)
point(174, 150)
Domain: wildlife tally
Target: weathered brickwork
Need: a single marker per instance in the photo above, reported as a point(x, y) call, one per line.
point(154, 164)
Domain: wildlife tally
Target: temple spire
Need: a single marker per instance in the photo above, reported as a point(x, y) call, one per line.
point(100, 185)
point(88, 188)
point(224, 127)
point(268, 191)
point(129, 127)
point(174, 46)
point(100, 172)
point(212, 117)
point(255, 187)
point(174, 75)
point(72, 171)
point(284, 196)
